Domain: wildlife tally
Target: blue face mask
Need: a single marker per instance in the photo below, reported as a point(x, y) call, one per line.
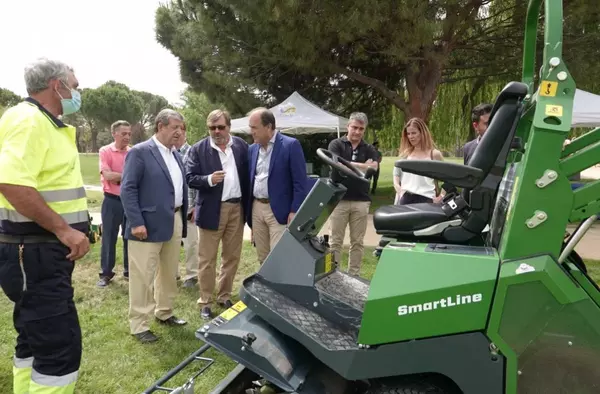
point(73, 104)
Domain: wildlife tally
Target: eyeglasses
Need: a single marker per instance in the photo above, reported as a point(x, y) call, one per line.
point(354, 155)
point(221, 127)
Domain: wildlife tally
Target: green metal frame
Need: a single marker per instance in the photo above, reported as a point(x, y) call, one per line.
point(435, 311)
point(543, 202)
point(542, 176)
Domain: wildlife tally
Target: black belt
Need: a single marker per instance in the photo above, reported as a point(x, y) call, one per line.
point(112, 196)
point(263, 200)
point(27, 239)
point(236, 200)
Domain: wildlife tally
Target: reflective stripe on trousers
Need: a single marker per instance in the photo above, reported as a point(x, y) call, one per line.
point(28, 381)
point(44, 384)
point(48, 348)
point(22, 375)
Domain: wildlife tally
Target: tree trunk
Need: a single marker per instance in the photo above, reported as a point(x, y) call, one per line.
point(78, 137)
point(94, 140)
point(422, 85)
point(138, 133)
point(391, 95)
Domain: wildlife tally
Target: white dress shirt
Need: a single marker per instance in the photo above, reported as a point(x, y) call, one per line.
point(261, 176)
point(231, 182)
point(174, 170)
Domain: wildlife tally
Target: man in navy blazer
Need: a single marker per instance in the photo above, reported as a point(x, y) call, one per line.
point(217, 167)
point(155, 199)
point(278, 181)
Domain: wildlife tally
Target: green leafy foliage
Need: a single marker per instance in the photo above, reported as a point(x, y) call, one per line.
point(196, 109)
point(434, 59)
point(8, 98)
point(110, 102)
point(345, 56)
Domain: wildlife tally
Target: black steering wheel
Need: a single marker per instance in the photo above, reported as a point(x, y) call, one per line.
point(342, 165)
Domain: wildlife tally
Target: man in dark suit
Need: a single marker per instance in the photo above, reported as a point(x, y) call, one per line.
point(217, 167)
point(480, 117)
point(277, 169)
point(155, 198)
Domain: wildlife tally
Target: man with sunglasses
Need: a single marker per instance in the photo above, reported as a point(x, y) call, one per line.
point(217, 166)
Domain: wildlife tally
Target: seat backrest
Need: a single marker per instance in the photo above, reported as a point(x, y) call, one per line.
point(499, 130)
point(491, 155)
point(492, 150)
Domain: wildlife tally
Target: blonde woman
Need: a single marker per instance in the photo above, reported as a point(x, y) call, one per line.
point(416, 144)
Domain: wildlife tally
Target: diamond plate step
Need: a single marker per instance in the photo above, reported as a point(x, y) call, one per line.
point(309, 323)
point(345, 288)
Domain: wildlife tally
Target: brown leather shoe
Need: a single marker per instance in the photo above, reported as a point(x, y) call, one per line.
point(173, 321)
point(146, 337)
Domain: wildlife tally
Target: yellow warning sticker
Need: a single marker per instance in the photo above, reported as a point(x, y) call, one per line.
point(554, 110)
point(229, 314)
point(328, 260)
point(548, 88)
point(239, 306)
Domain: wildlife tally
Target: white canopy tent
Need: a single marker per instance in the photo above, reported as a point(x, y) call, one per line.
point(586, 109)
point(296, 115)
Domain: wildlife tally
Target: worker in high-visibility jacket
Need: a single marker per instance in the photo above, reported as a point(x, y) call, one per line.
point(44, 226)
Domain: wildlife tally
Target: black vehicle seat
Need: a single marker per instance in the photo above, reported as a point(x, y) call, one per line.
point(410, 217)
point(460, 217)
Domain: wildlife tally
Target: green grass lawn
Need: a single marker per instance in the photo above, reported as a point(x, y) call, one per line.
point(113, 361)
point(90, 168)
point(91, 176)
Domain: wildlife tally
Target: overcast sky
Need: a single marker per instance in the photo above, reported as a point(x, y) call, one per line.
point(103, 40)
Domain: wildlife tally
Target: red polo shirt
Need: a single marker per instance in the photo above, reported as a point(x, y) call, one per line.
point(111, 159)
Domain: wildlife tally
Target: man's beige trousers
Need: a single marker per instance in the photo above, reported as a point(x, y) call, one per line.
point(265, 229)
point(231, 234)
point(153, 264)
point(355, 215)
point(190, 248)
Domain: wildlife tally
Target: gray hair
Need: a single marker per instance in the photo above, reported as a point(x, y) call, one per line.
point(39, 73)
point(359, 116)
point(164, 116)
point(118, 124)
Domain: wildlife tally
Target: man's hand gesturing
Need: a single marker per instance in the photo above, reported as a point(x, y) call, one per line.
point(217, 177)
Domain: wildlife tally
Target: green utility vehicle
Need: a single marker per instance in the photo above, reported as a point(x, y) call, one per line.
point(451, 308)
